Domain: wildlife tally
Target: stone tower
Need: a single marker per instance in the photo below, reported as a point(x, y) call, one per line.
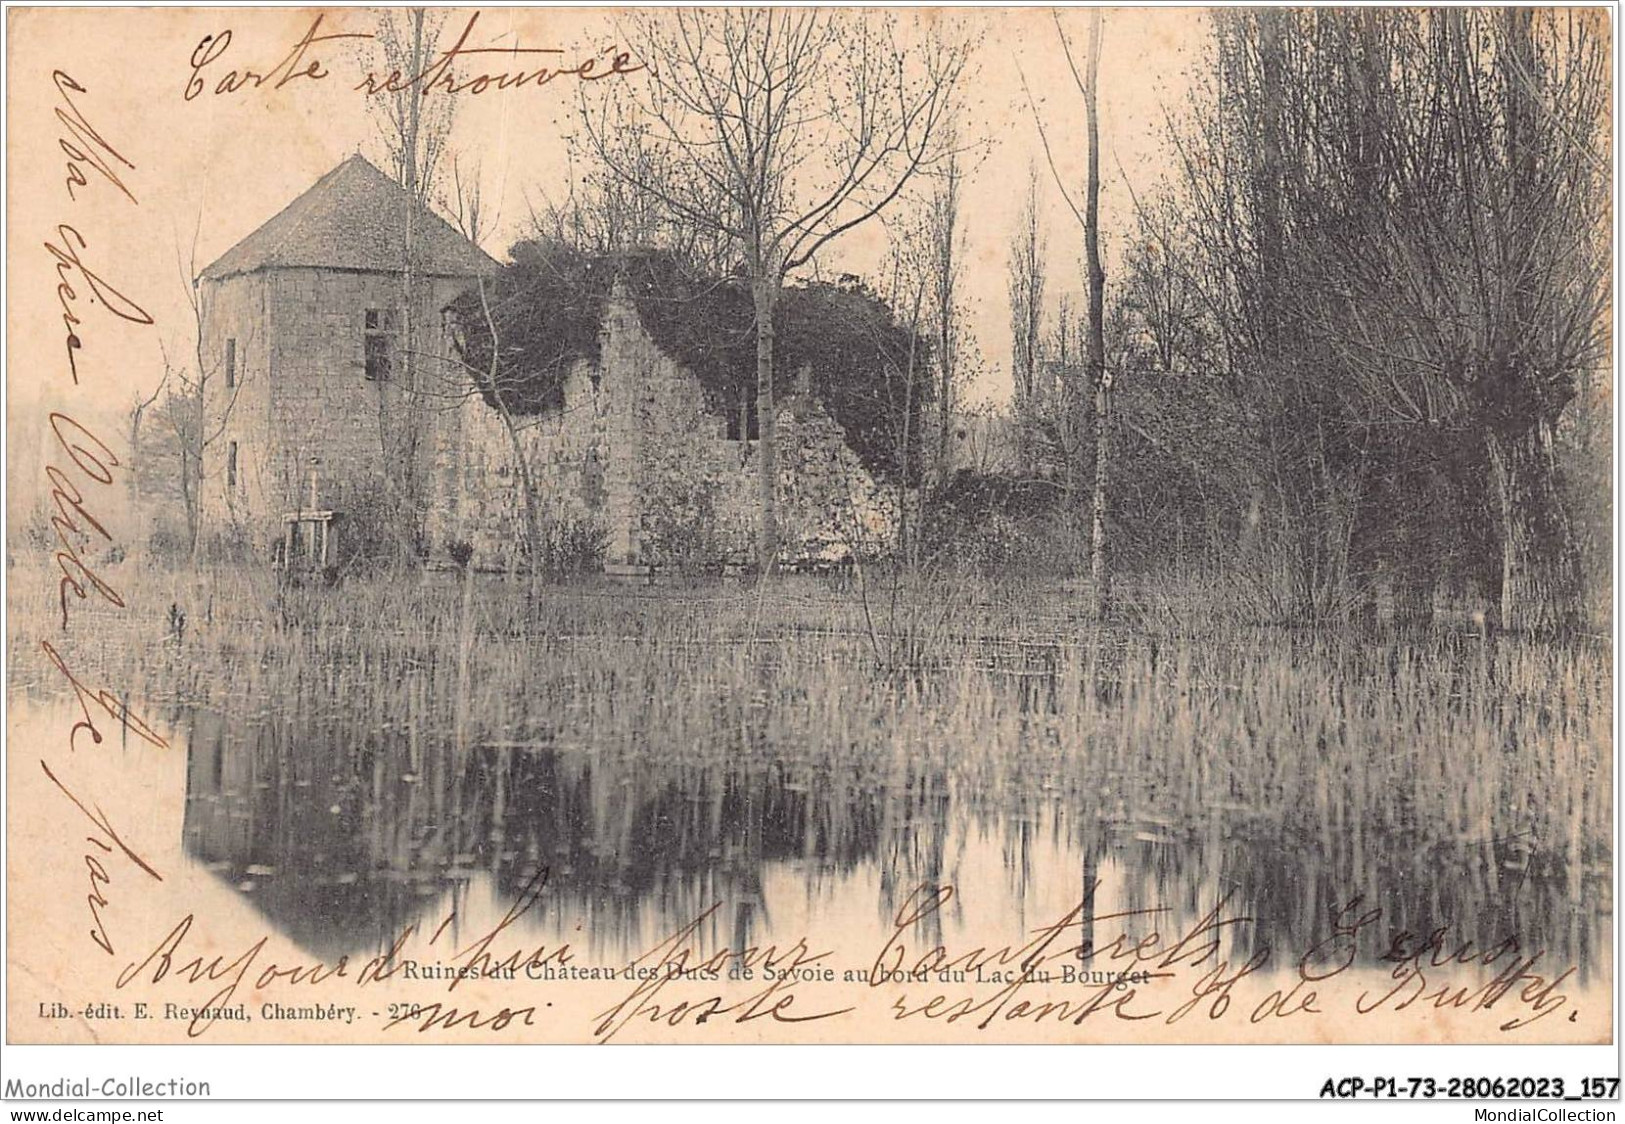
point(322, 346)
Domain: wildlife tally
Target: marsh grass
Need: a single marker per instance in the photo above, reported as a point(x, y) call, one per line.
point(640, 731)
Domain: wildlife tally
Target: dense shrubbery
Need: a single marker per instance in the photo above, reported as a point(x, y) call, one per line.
point(569, 547)
point(547, 307)
point(993, 520)
point(1396, 232)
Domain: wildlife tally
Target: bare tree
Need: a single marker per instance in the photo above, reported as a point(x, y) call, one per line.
point(781, 130)
point(1062, 427)
point(910, 279)
point(1162, 300)
point(606, 212)
point(1504, 277)
point(138, 414)
point(464, 200)
point(415, 131)
point(1027, 305)
point(499, 384)
point(196, 407)
point(1402, 225)
point(1061, 337)
point(946, 244)
point(1099, 376)
point(906, 614)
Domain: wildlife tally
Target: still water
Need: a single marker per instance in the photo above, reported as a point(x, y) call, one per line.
point(340, 843)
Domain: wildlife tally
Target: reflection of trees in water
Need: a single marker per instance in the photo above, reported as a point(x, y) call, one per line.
point(1292, 888)
point(1480, 898)
point(341, 838)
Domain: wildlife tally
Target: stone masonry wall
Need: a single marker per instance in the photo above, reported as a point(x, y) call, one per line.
point(476, 497)
point(636, 455)
point(237, 309)
point(307, 404)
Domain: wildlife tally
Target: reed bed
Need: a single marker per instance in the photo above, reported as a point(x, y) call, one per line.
point(634, 735)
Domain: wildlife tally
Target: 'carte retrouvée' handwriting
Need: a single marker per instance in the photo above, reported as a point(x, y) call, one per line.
point(84, 146)
point(452, 71)
point(291, 66)
point(442, 75)
point(68, 264)
point(106, 841)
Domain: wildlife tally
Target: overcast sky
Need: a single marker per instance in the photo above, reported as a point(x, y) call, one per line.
point(222, 165)
point(1144, 59)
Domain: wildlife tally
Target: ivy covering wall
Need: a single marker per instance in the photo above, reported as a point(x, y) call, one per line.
point(547, 307)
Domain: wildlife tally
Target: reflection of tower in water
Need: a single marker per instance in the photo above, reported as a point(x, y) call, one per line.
point(341, 845)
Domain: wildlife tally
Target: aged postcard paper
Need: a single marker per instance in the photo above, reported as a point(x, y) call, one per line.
point(809, 526)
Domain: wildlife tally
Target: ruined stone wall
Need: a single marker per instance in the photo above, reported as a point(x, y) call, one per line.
point(476, 499)
point(637, 456)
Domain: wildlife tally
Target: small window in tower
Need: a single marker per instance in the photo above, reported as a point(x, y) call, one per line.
point(381, 329)
point(231, 364)
point(231, 465)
